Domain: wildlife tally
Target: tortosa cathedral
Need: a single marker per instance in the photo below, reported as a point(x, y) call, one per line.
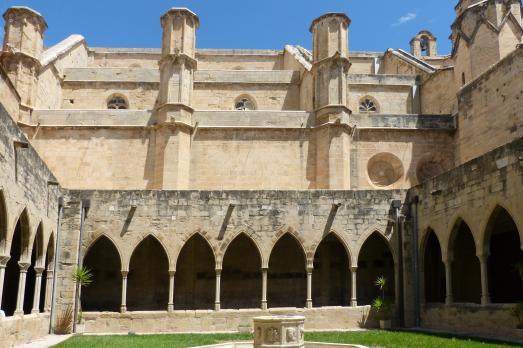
point(203, 187)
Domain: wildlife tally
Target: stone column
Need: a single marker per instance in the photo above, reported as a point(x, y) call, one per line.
point(264, 289)
point(24, 266)
point(38, 289)
point(483, 263)
point(48, 290)
point(353, 284)
point(3, 264)
point(217, 295)
point(123, 306)
point(309, 287)
point(449, 299)
point(170, 305)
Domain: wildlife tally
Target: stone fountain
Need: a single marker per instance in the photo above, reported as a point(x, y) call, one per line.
point(280, 331)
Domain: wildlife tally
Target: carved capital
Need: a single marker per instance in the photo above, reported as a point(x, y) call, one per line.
point(24, 266)
point(3, 260)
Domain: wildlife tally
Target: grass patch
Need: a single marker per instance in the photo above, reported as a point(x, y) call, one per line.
point(373, 338)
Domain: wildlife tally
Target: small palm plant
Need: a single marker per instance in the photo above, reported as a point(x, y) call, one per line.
point(380, 304)
point(82, 277)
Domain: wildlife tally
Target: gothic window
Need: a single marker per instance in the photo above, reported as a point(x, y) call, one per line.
point(117, 102)
point(368, 104)
point(244, 103)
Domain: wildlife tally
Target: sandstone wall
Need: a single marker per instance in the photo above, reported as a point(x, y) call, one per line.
point(490, 109)
point(492, 320)
point(238, 159)
point(438, 97)
point(334, 318)
point(19, 330)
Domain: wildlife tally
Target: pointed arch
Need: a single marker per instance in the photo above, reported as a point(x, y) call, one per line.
point(194, 280)
point(23, 227)
point(147, 236)
point(289, 232)
point(104, 261)
point(505, 257)
point(375, 259)
point(3, 224)
point(341, 239)
point(114, 245)
point(45, 296)
point(433, 268)
point(331, 279)
point(36, 248)
point(38, 245)
point(362, 238)
point(19, 245)
point(198, 233)
point(148, 278)
point(230, 238)
point(241, 274)
point(50, 250)
point(287, 276)
point(466, 276)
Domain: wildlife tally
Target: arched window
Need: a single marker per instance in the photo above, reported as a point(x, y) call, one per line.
point(117, 102)
point(368, 104)
point(244, 103)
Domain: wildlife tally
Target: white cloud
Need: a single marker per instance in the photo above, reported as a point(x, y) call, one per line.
point(404, 19)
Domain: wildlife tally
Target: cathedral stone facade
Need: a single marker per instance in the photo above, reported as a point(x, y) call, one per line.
point(203, 187)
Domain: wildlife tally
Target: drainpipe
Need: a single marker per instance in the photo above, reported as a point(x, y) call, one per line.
point(84, 208)
point(55, 263)
point(396, 205)
point(415, 260)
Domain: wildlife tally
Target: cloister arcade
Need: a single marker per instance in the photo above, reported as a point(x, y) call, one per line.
point(242, 281)
point(480, 267)
point(26, 265)
point(465, 267)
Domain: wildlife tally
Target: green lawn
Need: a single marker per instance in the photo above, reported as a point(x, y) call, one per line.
point(373, 338)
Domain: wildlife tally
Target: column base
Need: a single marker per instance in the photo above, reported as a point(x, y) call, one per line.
point(18, 313)
point(170, 307)
point(449, 301)
point(354, 302)
point(123, 309)
point(264, 305)
point(485, 300)
point(308, 305)
point(217, 306)
point(35, 311)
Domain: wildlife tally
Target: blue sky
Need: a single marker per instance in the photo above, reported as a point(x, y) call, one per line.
point(376, 24)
